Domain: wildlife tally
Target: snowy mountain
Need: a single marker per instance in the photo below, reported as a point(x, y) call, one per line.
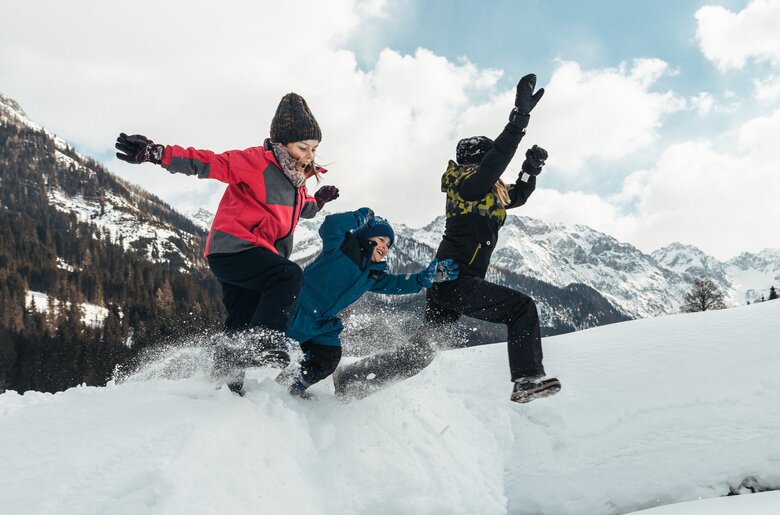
point(745, 278)
point(652, 412)
point(752, 273)
point(135, 219)
point(691, 262)
point(201, 218)
point(640, 285)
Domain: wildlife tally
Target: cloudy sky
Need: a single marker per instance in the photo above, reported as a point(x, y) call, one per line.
point(662, 118)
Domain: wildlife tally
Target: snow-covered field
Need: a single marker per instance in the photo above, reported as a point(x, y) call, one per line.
point(652, 412)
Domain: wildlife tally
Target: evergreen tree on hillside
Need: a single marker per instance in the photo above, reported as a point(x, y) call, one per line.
point(704, 295)
point(772, 293)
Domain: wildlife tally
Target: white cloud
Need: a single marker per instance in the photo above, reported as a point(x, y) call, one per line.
point(730, 39)
point(603, 114)
point(372, 8)
point(703, 102)
point(767, 89)
point(600, 114)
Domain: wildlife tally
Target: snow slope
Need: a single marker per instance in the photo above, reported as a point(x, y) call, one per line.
point(652, 412)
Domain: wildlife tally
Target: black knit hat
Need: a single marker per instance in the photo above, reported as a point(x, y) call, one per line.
point(472, 150)
point(293, 121)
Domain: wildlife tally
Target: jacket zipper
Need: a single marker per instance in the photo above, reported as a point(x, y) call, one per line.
point(479, 246)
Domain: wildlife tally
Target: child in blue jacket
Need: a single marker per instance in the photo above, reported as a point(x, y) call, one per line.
point(354, 245)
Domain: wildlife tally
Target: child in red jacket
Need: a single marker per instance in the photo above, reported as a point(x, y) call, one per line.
point(251, 237)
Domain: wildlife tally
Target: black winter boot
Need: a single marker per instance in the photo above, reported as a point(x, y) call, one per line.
point(527, 389)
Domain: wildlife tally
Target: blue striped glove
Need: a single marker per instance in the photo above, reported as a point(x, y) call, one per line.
point(364, 216)
point(437, 272)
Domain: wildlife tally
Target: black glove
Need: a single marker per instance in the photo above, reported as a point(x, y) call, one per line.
point(534, 160)
point(525, 100)
point(326, 194)
point(364, 216)
point(138, 149)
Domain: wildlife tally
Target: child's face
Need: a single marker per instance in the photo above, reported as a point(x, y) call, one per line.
point(303, 152)
point(381, 248)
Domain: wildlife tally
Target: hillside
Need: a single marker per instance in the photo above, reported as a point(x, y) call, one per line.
point(92, 269)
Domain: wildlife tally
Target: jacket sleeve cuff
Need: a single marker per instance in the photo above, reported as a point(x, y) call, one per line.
point(518, 119)
point(167, 155)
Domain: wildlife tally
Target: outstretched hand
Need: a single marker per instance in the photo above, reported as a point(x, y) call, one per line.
point(437, 272)
point(137, 149)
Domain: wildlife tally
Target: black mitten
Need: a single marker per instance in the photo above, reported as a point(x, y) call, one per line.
point(525, 100)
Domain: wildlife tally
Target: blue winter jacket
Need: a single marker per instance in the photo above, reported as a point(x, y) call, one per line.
point(338, 277)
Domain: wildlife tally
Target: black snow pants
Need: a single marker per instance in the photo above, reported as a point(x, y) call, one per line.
point(445, 303)
point(319, 361)
point(259, 289)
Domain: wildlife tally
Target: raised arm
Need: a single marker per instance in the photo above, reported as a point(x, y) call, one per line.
point(335, 226)
point(477, 185)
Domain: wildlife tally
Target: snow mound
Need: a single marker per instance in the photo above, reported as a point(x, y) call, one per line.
point(652, 412)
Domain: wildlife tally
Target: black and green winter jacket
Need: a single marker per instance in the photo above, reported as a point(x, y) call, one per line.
point(474, 212)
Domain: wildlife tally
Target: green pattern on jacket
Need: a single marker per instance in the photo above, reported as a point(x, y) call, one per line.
point(489, 205)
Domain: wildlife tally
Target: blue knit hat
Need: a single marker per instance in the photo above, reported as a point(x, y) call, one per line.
point(381, 227)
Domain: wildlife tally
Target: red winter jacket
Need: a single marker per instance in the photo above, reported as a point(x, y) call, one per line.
point(260, 207)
